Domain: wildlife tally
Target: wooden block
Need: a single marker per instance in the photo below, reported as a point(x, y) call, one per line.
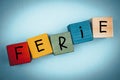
point(61, 43)
point(39, 46)
point(18, 53)
point(102, 27)
point(80, 32)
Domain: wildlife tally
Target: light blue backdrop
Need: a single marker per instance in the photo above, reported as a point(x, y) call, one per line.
point(95, 60)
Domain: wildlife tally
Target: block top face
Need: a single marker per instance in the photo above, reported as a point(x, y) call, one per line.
point(102, 27)
point(85, 27)
point(83, 23)
point(37, 37)
point(81, 32)
point(67, 43)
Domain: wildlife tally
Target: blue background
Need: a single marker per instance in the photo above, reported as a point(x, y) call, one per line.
point(95, 60)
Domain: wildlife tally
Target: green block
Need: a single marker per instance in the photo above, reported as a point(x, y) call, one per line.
point(61, 43)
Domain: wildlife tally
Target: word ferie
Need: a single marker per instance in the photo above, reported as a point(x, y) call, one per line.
point(41, 45)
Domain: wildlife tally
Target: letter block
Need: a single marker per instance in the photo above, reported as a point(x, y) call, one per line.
point(39, 46)
point(102, 27)
point(18, 53)
point(80, 32)
point(61, 43)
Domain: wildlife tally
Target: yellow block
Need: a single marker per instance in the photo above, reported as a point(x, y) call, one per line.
point(102, 27)
point(39, 45)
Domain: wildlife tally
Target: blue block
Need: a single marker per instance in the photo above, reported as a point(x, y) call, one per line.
point(81, 32)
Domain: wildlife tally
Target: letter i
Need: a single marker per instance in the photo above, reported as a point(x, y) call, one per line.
point(81, 31)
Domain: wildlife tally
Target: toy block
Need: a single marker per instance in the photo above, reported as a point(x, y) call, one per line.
point(102, 27)
point(39, 46)
point(80, 32)
point(61, 43)
point(18, 53)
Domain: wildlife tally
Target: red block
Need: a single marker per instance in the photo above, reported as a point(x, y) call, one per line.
point(18, 53)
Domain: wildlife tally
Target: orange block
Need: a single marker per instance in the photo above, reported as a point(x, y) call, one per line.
point(102, 27)
point(39, 46)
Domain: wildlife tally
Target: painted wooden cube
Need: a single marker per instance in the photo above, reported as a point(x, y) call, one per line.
point(18, 53)
point(102, 27)
point(61, 43)
point(39, 45)
point(80, 32)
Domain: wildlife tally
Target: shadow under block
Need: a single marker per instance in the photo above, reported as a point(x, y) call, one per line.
point(61, 43)
point(80, 32)
point(102, 27)
point(18, 53)
point(39, 46)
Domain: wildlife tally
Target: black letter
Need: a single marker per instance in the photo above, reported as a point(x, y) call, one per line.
point(81, 31)
point(18, 52)
point(61, 44)
point(102, 25)
point(38, 45)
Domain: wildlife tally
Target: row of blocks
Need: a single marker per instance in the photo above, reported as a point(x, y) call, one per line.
point(42, 45)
